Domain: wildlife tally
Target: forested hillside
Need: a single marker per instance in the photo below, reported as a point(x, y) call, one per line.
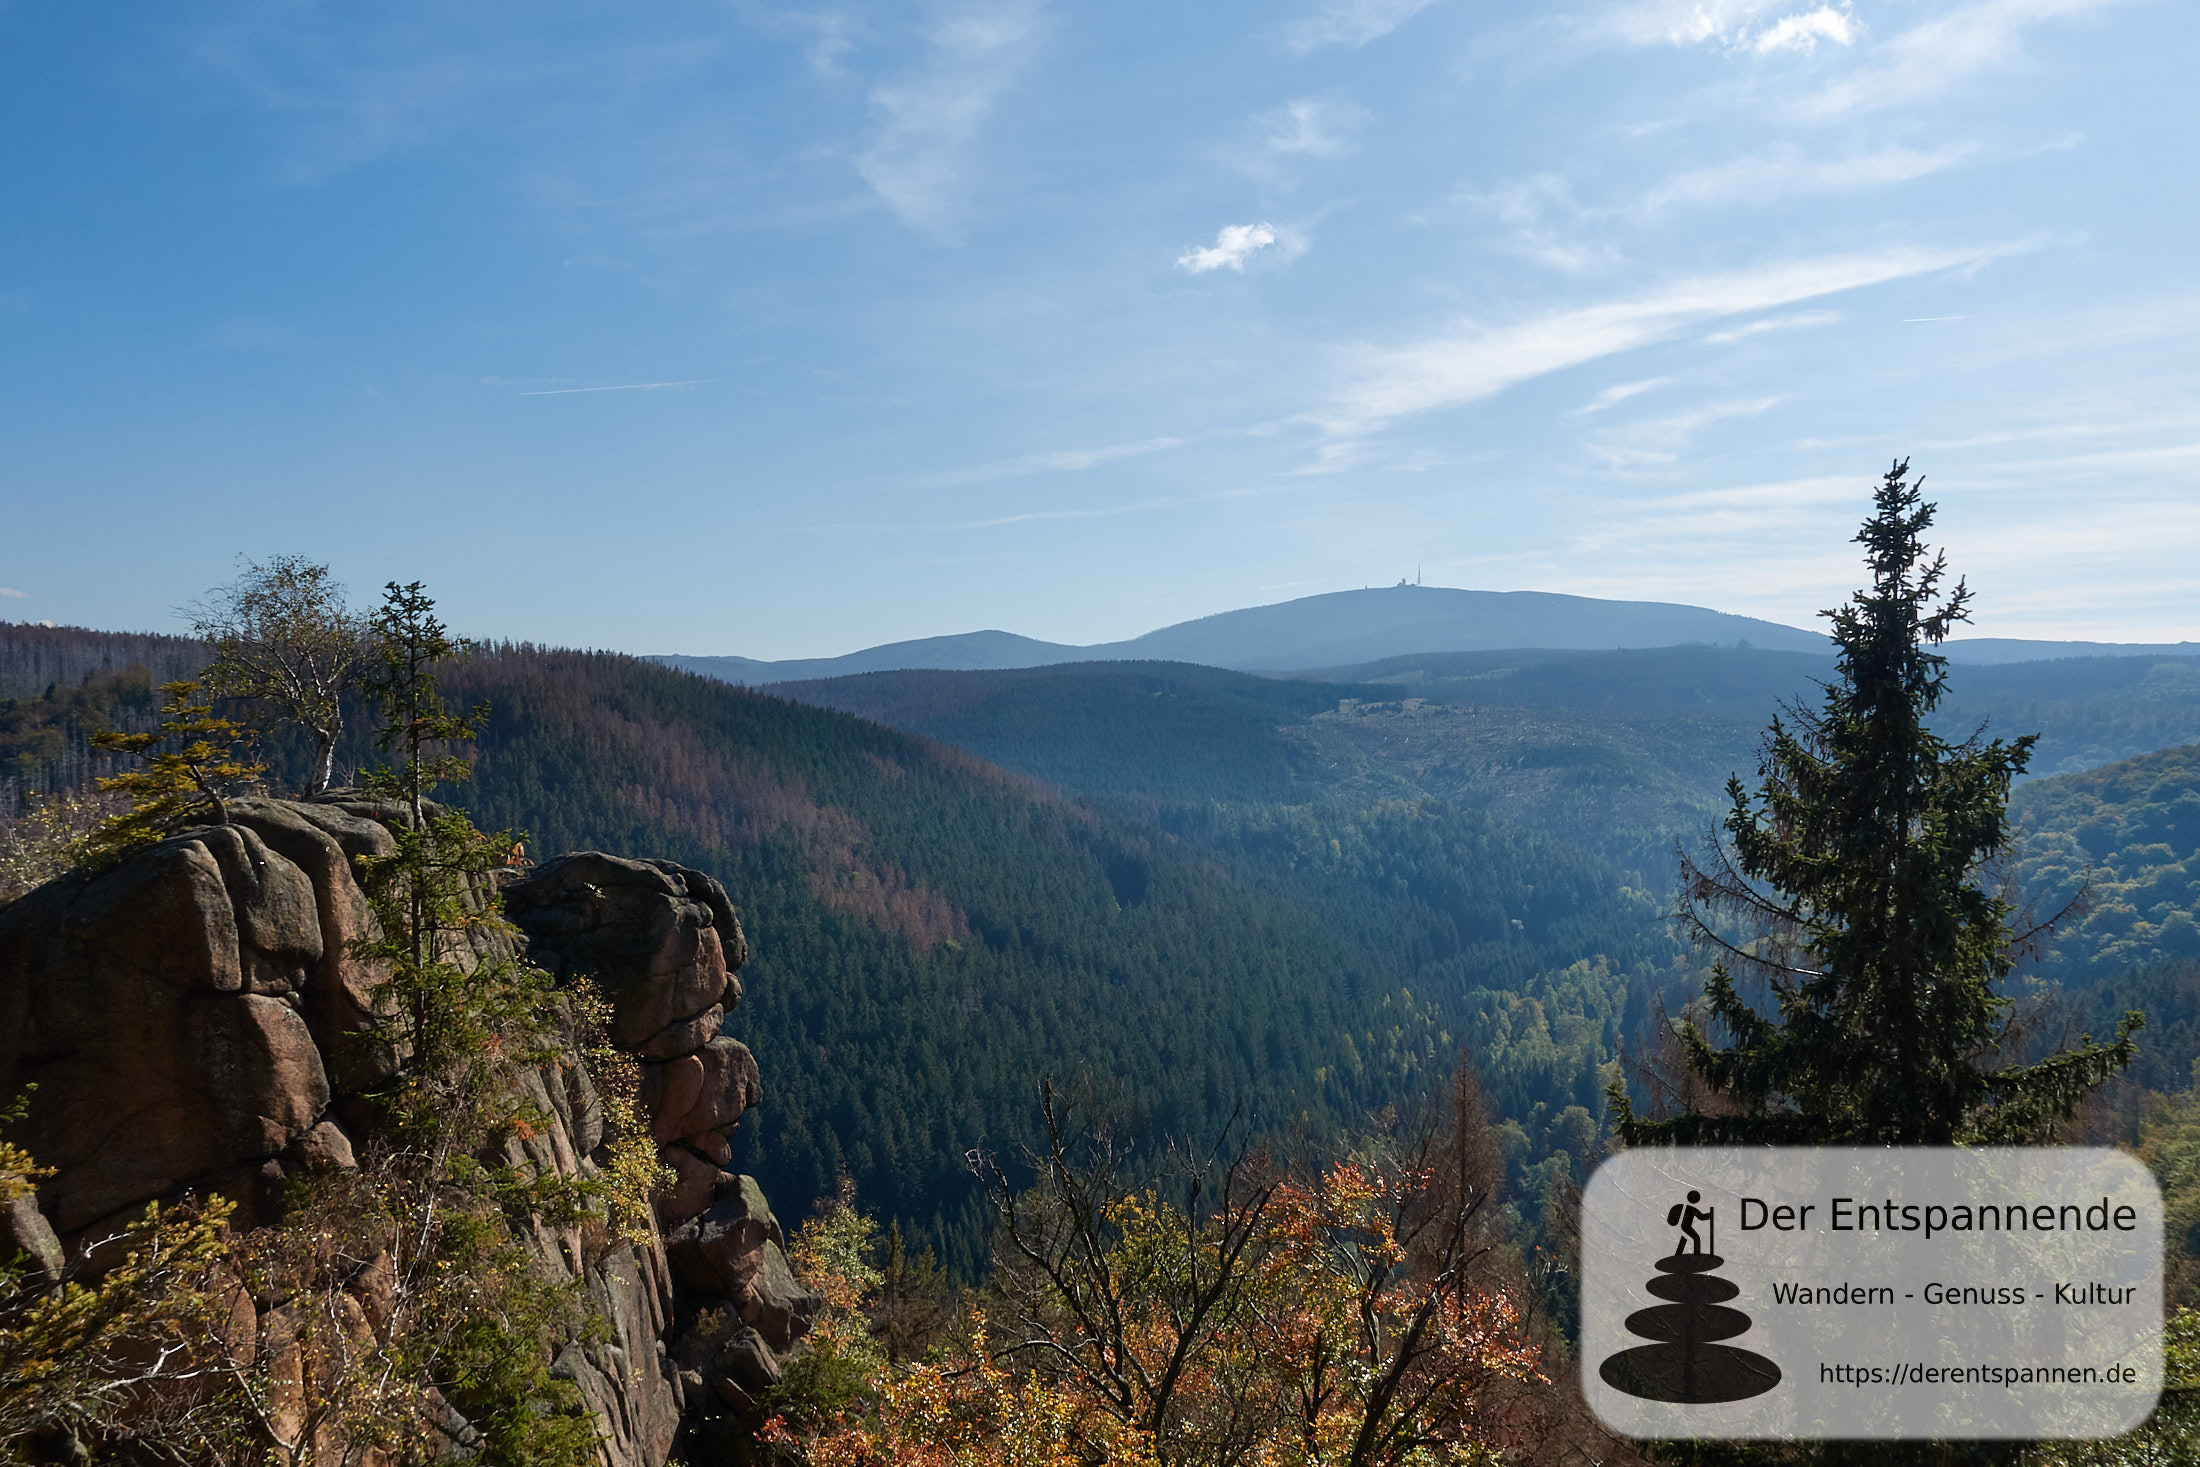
point(2087, 711)
point(58, 684)
point(1201, 889)
point(932, 933)
point(1157, 731)
point(1618, 752)
point(2126, 837)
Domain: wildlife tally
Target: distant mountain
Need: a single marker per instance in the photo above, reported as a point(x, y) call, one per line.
point(1984, 650)
point(1313, 631)
point(969, 652)
point(1361, 626)
point(1348, 628)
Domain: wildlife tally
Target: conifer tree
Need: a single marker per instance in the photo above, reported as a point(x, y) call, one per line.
point(192, 765)
point(1850, 883)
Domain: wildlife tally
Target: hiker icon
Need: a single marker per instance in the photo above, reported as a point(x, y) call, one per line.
point(1687, 1364)
point(1685, 1216)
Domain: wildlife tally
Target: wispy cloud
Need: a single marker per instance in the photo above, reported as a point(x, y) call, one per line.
point(905, 527)
point(1550, 225)
point(1105, 512)
point(1658, 441)
point(1799, 321)
point(1612, 396)
point(1349, 23)
point(1544, 218)
point(825, 36)
point(358, 87)
point(1313, 127)
point(13, 594)
point(1786, 171)
point(1051, 461)
point(1237, 243)
point(919, 160)
point(1755, 26)
point(1798, 559)
point(1475, 361)
point(1277, 145)
point(619, 387)
point(1939, 54)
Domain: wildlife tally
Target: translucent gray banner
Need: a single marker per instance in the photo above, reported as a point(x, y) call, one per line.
point(1851, 1292)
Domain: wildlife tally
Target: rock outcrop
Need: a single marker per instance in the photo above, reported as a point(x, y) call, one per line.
point(196, 1018)
point(662, 943)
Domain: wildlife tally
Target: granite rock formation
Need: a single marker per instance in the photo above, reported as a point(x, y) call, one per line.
point(195, 1019)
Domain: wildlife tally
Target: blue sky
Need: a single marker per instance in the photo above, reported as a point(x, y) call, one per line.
point(782, 330)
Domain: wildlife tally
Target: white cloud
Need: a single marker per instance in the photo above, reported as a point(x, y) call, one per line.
point(1619, 394)
point(10, 591)
point(918, 161)
point(1235, 244)
point(1349, 23)
point(1473, 361)
point(1801, 320)
point(1804, 32)
point(1741, 25)
point(1930, 58)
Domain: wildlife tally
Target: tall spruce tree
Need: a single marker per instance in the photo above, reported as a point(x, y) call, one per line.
point(1851, 884)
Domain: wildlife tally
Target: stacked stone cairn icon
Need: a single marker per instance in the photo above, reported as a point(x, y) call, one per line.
point(1687, 1364)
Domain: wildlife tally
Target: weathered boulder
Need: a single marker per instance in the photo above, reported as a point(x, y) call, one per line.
point(708, 1253)
point(200, 1017)
point(155, 1005)
point(322, 841)
point(709, 1090)
point(698, 1181)
point(748, 1361)
point(771, 1298)
point(661, 940)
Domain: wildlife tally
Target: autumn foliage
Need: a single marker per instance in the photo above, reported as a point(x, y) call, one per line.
point(1363, 1308)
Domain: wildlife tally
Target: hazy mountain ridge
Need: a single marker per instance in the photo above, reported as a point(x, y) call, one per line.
point(1310, 632)
point(1338, 629)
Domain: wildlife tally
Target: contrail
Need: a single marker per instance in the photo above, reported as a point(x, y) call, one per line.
point(621, 387)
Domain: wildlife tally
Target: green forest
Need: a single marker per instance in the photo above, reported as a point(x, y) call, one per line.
point(1209, 903)
point(934, 934)
point(1202, 890)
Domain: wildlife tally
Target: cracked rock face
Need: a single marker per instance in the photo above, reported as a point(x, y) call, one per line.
point(195, 1019)
point(662, 943)
point(159, 1007)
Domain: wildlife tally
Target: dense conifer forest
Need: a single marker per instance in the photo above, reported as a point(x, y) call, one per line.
point(1202, 890)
